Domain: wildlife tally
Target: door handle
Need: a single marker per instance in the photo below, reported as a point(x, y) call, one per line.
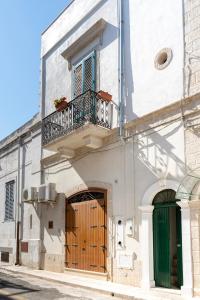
point(178, 245)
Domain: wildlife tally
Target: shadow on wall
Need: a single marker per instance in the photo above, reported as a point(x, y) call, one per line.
point(154, 155)
point(153, 158)
point(128, 69)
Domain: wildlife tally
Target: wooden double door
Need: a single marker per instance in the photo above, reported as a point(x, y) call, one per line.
point(86, 234)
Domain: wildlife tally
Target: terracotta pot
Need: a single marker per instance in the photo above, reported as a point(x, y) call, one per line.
point(104, 96)
point(61, 106)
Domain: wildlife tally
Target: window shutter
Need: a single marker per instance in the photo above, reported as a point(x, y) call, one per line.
point(85, 75)
point(78, 80)
point(89, 73)
point(9, 202)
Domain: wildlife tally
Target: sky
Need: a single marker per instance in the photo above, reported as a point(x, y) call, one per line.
point(21, 25)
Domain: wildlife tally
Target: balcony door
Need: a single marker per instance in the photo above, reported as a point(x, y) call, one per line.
point(84, 75)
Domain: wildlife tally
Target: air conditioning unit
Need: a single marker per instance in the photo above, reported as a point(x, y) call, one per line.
point(47, 192)
point(30, 194)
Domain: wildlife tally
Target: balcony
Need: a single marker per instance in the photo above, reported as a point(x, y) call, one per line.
point(85, 122)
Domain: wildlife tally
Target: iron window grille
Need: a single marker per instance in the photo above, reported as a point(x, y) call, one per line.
point(9, 201)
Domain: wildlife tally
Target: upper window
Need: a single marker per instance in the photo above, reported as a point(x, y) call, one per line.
point(84, 75)
point(9, 201)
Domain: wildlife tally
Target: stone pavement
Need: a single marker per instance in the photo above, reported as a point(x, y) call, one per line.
point(105, 287)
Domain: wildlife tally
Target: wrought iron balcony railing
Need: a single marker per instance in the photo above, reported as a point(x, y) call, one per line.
point(84, 109)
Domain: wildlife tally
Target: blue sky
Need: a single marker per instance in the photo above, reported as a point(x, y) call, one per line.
point(21, 25)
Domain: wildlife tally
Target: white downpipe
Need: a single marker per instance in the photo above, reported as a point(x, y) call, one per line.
point(17, 221)
point(121, 67)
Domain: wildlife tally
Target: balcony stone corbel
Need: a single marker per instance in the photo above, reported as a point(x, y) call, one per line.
point(93, 142)
point(66, 152)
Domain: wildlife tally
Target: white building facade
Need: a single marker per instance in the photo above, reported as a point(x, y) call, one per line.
point(122, 160)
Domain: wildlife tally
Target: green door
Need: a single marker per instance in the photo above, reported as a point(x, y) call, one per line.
point(161, 234)
point(167, 240)
point(179, 248)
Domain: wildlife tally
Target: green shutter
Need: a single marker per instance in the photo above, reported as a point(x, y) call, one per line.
point(78, 80)
point(179, 247)
point(161, 234)
point(89, 72)
point(84, 78)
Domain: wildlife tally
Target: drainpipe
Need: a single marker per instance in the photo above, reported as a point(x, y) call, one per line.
point(18, 205)
point(121, 67)
point(42, 172)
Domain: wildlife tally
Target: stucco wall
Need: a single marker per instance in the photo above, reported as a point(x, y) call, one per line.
point(57, 78)
point(145, 34)
point(154, 25)
point(128, 169)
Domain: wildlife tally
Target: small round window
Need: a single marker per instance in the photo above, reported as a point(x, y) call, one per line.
point(163, 58)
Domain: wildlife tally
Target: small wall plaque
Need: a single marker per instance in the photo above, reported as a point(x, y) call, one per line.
point(24, 247)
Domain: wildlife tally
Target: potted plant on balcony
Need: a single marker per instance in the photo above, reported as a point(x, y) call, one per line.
point(60, 103)
point(104, 95)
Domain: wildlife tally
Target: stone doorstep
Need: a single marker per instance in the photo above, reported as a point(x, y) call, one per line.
point(105, 287)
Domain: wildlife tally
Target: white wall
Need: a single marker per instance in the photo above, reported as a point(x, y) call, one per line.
point(149, 26)
point(8, 172)
point(154, 25)
point(128, 170)
point(56, 75)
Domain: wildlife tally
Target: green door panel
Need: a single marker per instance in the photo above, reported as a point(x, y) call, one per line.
point(161, 234)
point(179, 248)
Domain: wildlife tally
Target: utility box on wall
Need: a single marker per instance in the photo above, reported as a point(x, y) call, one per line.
point(129, 227)
point(125, 261)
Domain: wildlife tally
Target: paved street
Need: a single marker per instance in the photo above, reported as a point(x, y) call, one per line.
point(20, 287)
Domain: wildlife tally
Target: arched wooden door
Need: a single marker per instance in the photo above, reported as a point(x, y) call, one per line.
point(86, 231)
point(167, 240)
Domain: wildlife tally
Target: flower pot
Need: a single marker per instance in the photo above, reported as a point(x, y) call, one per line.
point(104, 96)
point(61, 106)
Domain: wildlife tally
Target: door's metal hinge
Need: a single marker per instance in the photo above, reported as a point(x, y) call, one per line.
point(103, 247)
point(93, 266)
point(103, 267)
